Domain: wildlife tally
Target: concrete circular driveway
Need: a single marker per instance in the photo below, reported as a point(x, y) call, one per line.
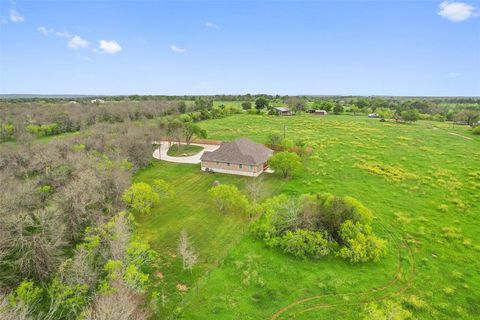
point(161, 153)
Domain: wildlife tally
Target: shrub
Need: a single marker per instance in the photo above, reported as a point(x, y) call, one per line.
point(286, 162)
point(360, 244)
point(228, 198)
point(140, 198)
point(314, 225)
point(476, 130)
point(304, 243)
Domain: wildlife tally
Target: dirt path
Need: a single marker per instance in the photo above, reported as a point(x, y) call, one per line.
point(394, 287)
point(459, 135)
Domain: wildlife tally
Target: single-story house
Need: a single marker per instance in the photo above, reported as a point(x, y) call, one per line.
point(373, 115)
point(283, 111)
point(320, 112)
point(242, 156)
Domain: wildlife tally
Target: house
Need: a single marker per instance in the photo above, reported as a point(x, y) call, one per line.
point(283, 111)
point(320, 112)
point(242, 156)
point(97, 101)
point(373, 115)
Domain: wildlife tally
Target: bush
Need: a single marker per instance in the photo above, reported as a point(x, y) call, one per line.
point(228, 198)
point(287, 162)
point(476, 130)
point(314, 225)
point(360, 244)
point(304, 243)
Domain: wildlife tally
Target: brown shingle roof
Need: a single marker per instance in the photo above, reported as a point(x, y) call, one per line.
point(240, 151)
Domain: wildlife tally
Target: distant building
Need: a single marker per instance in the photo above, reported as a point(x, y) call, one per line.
point(320, 112)
point(373, 115)
point(97, 101)
point(242, 156)
point(72, 102)
point(283, 111)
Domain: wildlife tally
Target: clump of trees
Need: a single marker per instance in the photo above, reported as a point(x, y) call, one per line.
point(65, 242)
point(313, 226)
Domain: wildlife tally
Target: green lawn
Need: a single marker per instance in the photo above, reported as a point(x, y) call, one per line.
point(183, 150)
point(421, 181)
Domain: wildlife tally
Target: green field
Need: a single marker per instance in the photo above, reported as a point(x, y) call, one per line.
point(422, 181)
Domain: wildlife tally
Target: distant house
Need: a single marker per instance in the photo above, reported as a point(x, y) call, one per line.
point(242, 156)
point(320, 112)
point(283, 111)
point(373, 115)
point(97, 101)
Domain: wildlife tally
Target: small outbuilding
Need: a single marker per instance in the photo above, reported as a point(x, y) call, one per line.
point(283, 111)
point(320, 112)
point(373, 115)
point(242, 157)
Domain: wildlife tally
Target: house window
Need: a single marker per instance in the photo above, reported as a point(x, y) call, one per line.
point(251, 168)
point(240, 166)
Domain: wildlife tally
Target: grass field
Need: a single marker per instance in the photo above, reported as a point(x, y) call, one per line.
point(422, 181)
point(183, 150)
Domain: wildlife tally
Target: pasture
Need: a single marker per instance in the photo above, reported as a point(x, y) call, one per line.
point(422, 182)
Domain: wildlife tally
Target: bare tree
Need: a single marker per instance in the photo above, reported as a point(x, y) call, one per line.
point(255, 189)
point(186, 251)
point(34, 242)
point(121, 304)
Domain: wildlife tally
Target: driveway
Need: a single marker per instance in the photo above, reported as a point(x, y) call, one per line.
point(161, 153)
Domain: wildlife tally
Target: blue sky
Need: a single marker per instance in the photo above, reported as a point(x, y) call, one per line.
point(275, 47)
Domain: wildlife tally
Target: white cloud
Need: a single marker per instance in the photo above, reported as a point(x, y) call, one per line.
point(77, 43)
point(211, 25)
point(456, 11)
point(63, 34)
point(110, 46)
point(49, 31)
point(15, 16)
point(174, 48)
point(45, 31)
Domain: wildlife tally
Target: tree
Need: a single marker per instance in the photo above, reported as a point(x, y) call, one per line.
point(190, 130)
point(228, 198)
point(246, 105)
point(261, 103)
point(410, 115)
point(470, 117)
point(274, 139)
point(296, 103)
point(122, 303)
point(385, 113)
point(182, 107)
point(140, 198)
point(338, 109)
point(285, 161)
point(186, 251)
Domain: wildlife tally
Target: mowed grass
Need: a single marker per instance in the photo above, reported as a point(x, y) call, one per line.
point(183, 150)
point(421, 182)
